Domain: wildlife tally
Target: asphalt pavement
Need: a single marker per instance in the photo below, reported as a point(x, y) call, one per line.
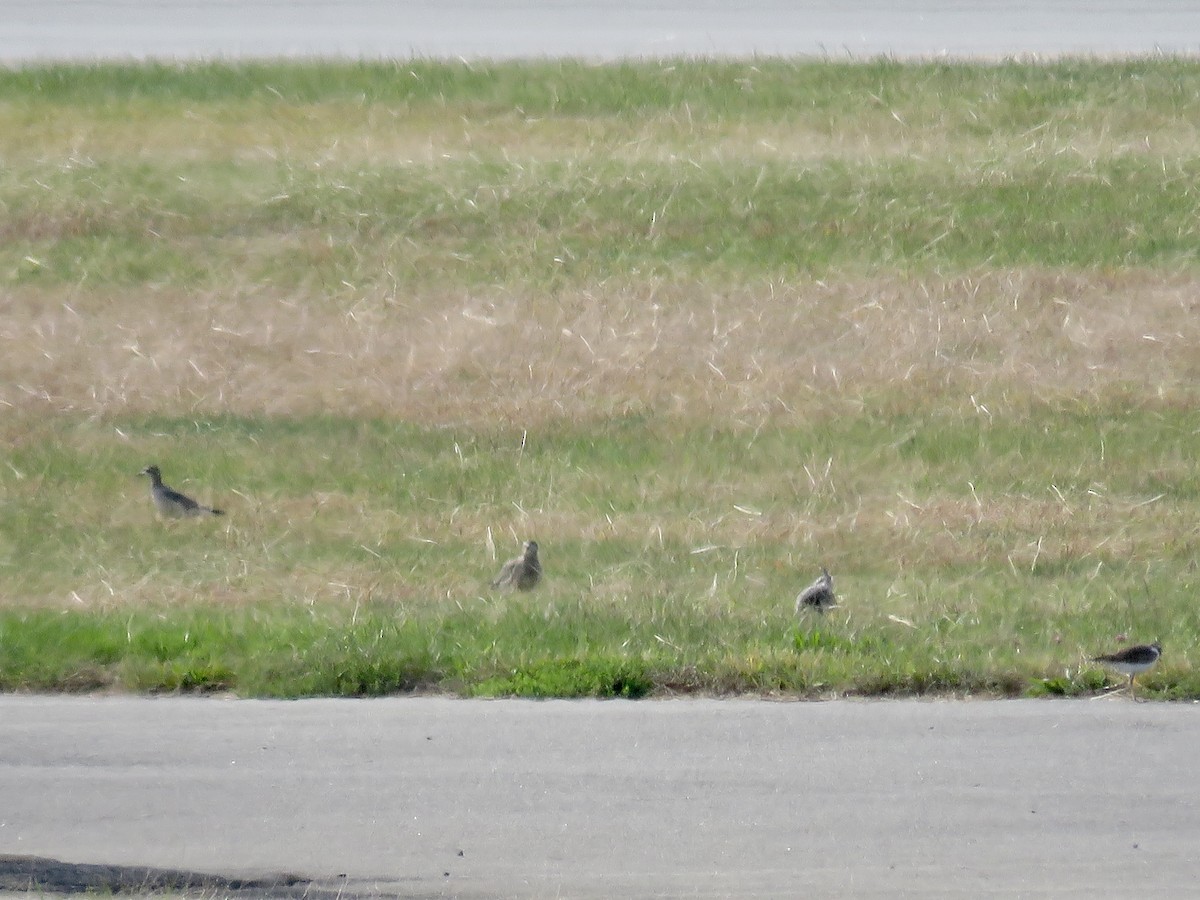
point(439, 797)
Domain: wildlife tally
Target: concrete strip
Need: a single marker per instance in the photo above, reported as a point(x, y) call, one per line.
point(696, 798)
point(474, 29)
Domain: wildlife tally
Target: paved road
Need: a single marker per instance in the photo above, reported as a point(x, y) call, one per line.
point(689, 798)
point(40, 29)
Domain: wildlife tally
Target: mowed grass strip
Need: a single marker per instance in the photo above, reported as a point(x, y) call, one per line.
point(539, 176)
point(368, 110)
point(698, 328)
point(970, 556)
point(547, 225)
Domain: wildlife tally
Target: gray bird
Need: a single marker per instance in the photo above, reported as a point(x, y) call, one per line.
point(522, 572)
point(1132, 661)
point(819, 595)
point(170, 503)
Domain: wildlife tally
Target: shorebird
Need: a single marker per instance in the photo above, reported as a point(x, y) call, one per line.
point(1132, 661)
point(170, 503)
point(522, 572)
point(819, 595)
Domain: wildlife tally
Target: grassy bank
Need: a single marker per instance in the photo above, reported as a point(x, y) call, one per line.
point(698, 328)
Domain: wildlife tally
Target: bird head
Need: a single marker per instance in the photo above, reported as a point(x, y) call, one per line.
point(151, 471)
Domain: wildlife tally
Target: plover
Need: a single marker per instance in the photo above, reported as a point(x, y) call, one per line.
point(819, 595)
point(522, 572)
point(170, 503)
point(1132, 661)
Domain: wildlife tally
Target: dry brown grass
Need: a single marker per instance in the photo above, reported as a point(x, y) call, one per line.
point(979, 343)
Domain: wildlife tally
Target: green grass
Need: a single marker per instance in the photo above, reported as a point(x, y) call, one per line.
point(354, 558)
point(1017, 94)
point(563, 173)
point(557, 223)
point(698, 327)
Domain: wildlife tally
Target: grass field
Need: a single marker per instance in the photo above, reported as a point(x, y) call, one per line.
point(697, 327)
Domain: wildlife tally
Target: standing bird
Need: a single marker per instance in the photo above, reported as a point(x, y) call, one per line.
point(1132, 661)
point(522, 572)
point(170, 503)
point(818, 595)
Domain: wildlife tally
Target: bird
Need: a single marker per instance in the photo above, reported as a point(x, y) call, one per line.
point(522, 572)
point(819, 595)
point(170, 503)
point(1132, 661)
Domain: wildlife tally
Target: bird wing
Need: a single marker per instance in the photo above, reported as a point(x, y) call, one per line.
point(173, 496)
point(507, 572)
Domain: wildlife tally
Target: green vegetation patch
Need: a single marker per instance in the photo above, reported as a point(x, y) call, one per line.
point(1019, 94)
point(556, 223)
point(355, 558)
point(699, 327)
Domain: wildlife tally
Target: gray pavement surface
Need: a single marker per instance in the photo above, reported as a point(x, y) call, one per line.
point(601, 29)
point(432, 797)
